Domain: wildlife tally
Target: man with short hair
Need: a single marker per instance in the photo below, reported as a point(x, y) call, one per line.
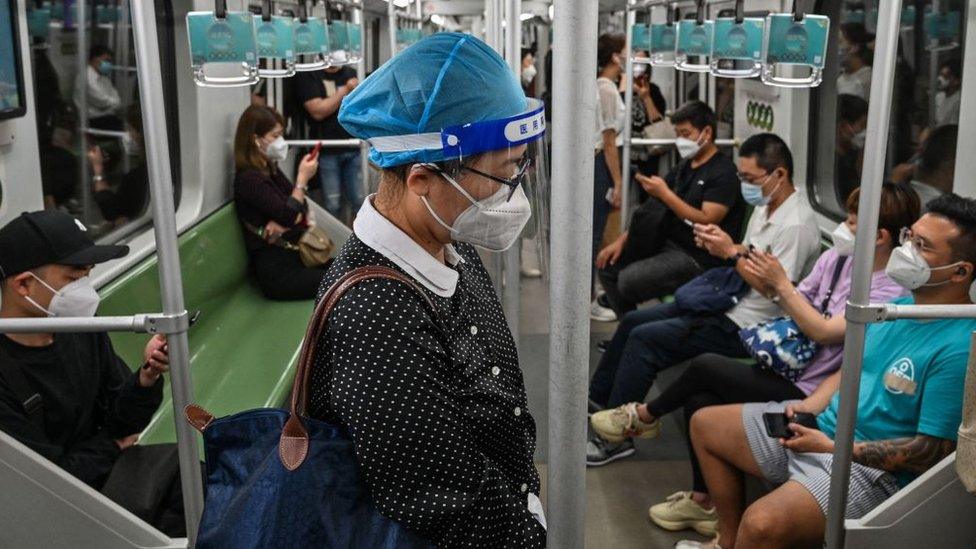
point(101, 100)
point(68, 396)
point(947, 101)
point(658, 253)
point(653, 339)
point(909, 406)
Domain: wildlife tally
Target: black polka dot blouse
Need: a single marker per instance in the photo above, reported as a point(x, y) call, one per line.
point(436, 406)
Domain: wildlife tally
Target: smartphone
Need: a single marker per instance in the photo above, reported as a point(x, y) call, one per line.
point(777, 425)
point(316, 148)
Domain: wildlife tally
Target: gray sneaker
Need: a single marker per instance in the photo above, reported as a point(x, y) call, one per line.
point(600, 452)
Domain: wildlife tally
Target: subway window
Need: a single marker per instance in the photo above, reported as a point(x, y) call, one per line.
point(89, 120)
point(921, 143)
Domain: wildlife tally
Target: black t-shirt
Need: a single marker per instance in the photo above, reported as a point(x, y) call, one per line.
point(90, 399)
point(714, 181)
point(322, 84)
point(59, 173)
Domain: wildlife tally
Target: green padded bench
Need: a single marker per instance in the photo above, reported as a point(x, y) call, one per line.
point(243, 348)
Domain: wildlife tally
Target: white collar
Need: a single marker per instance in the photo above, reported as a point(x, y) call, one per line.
point(382, 235)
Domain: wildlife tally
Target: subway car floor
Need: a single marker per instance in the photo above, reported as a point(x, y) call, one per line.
point(619, 494)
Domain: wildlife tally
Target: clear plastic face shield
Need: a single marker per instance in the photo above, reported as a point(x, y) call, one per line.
point(495, 180)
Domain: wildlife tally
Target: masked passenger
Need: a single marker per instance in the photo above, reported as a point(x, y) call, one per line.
point(434, 399)
point(95, 94)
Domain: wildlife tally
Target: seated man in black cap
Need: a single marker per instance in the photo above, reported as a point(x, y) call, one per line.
point(67, 396)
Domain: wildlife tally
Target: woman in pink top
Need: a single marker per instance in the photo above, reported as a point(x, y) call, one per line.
point(714, 379)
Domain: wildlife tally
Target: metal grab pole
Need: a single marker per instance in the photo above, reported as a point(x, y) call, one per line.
point(512, 258)
point(81, 30)
point(574, 110)
point(886, 44)
point(391, 26)
point(359, 19)
point(628, 119)
point(170, 279)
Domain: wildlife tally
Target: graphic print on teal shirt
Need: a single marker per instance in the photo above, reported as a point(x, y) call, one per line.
point(911, 382)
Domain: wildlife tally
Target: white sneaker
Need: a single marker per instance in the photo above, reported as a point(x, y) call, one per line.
point(689, 544)
point(679, 511)
point(602, 314)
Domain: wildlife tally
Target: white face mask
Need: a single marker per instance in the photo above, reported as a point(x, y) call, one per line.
point(943, 83)
point(130, 145)
point(78, 298)
point(277, 150)
point(528, 73)
point(687, 148)
point(908, 268)
point(639, 70)
point(494, 223)
point(859, 139)
point(843, 240)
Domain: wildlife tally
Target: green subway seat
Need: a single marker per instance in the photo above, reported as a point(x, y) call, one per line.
point(243, 348)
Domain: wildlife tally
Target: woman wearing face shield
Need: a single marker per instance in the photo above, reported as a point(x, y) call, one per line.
point(273, 212)
point(426, 378)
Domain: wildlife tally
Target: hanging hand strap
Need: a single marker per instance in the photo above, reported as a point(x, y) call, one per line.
point(293, 445)
point(220, 9)
point(672, 9)
point(700, 16)
point(302, 11)
point(740, 11)
point(797, 12)
point(266, 10)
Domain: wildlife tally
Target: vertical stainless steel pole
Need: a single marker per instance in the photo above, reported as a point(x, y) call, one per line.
point(625, 195)
point(512, 258)
point(81, 30)
point(966, 163)
point(574, 110)
point(391, 26)
point(164, 225)
point(872, 177)
point(359, 18)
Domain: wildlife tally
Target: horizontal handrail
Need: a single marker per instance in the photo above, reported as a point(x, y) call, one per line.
point(886, 312)
point(640, 141)
point(105, 133)
point(326, 143)
point(150, 323)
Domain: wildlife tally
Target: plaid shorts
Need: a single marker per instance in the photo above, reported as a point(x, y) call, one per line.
point(869, 487)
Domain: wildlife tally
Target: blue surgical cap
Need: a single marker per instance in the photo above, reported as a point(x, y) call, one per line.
point(443, 81)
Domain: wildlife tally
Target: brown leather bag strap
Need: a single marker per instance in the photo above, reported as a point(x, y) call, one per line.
point(293, 445)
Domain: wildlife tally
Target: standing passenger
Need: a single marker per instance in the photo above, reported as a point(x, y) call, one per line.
point(611, 117)
point(340, 176)
point(434, 398)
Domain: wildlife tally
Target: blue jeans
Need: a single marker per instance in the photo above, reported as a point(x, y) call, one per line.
point(650, 340)
point(341, 178)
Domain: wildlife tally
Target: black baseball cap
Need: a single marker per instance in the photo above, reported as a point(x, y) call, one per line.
point(49, 237)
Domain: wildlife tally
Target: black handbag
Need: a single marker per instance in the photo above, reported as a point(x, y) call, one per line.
point(646, 233)
point(145, 480)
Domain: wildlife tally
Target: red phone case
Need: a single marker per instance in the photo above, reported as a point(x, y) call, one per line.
point(315, 150)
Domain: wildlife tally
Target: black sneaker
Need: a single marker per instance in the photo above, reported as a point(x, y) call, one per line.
point(600, 452)
point(603, 345)
point(603, 301)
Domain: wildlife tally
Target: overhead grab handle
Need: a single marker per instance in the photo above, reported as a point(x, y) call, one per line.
point(223, 47)
point(664, 38)
point(275, 35)
point(311, 41)
point(694, 40)
point(793, 43)
point(737, 45)
point(797, 12)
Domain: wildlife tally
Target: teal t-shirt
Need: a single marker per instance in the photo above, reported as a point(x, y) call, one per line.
point(911, 382)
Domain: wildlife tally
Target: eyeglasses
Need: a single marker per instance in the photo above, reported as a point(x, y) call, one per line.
point(906, 235)
point(521, 172)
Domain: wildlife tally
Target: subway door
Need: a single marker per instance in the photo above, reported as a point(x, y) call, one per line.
point(20, 171)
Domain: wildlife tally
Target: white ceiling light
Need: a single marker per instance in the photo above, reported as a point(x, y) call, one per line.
point(526, 16)
point(399, 3)
point(437, 19)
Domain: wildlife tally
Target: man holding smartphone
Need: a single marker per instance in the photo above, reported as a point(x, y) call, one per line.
point(909, 406)
point(68, 396)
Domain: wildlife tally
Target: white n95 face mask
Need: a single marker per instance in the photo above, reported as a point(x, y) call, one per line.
point(909, 269)
point(686, 147)
point(843, 239)
point(493, 223)
point(78, 298)
point(277, 150)
point(528, 73)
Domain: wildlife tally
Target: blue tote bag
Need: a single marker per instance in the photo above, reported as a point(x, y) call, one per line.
point(276, 478)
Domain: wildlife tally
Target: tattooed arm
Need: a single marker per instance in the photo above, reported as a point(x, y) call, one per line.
point(913, 455)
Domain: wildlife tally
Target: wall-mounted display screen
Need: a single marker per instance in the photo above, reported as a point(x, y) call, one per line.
point(12, 100)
